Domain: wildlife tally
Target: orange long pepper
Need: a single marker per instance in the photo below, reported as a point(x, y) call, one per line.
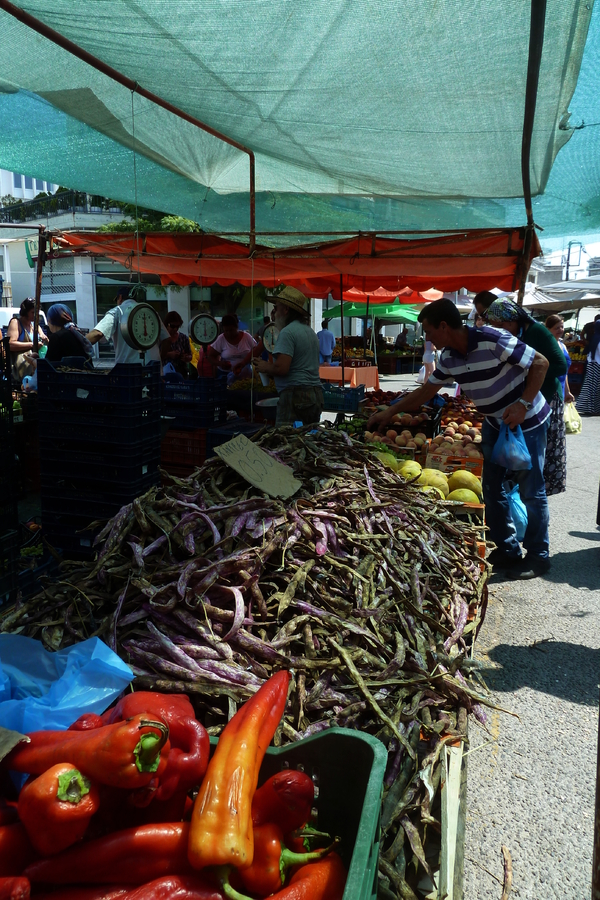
point(221, 829)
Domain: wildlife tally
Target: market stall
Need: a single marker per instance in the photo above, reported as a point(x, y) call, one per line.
point(364, 587)
point(353, 375)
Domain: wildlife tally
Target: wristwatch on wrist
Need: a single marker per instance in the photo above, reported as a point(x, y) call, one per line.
point(525, 403)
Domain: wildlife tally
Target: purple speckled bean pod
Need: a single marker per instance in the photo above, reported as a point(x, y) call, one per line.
point(120, 601)
point(370, 485)
point(333, 541)
point(316, 728)
point(215, 531)
point(196, 627)
point(147, 551)
point(239, 524)
point(138, 557)
point(238, 617)
point(460, 625)
point(253, 644)
point(399, 753)
point(189, 543)
point(176, 653)
point(195, 650)
point(136, 616)
point(320, 546)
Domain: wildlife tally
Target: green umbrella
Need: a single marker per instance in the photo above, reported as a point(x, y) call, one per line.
point(392, 312)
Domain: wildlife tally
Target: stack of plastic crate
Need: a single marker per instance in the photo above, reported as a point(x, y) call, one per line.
point(99, 446)
point(201, 403)
point(9, 537)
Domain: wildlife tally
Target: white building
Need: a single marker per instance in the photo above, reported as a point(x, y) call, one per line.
point(23, 187)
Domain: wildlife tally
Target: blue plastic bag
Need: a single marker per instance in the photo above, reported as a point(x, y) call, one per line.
point(510, 450)
point(518, 511)
point(40, 690)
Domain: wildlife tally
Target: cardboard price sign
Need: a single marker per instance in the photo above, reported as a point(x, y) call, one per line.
point(257, 467)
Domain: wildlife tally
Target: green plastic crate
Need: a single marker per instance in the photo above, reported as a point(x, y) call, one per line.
point(348, 768)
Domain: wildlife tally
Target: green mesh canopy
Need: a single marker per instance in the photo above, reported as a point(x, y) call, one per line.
point(363, 114)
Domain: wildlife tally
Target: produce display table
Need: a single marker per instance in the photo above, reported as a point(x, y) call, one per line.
point(367, 375)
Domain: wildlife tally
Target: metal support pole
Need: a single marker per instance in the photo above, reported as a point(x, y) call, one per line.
point(41, 259)
point(366, 325)
point(342, 325)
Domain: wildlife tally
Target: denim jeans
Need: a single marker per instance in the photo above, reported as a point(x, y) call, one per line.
point(531, 488)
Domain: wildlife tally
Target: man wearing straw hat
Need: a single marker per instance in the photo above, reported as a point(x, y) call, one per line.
point(295, 365)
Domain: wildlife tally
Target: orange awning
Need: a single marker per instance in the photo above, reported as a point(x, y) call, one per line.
point(475, 260)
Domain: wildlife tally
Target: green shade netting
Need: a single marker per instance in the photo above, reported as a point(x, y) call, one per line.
point(396, 312)
point(363, 114)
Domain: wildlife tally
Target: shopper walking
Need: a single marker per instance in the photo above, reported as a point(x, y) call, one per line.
point(326, 343)
point(588, 402)
point(503, 377)
point(509, 315)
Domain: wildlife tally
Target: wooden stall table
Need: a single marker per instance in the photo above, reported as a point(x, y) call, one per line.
point(367, 375)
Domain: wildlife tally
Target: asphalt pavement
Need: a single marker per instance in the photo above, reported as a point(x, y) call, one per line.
point(531, 779)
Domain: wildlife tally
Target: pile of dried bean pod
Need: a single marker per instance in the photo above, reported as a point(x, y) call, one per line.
point(362, 586)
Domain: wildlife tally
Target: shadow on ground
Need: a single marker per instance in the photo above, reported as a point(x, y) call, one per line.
point(569, 671)
point(579, 568)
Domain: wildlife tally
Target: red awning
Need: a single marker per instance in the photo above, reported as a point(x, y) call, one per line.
point(475, 260)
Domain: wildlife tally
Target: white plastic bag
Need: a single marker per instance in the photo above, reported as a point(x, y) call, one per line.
point(421, 375)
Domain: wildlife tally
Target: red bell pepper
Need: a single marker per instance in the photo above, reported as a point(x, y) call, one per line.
point(190, 747)
point(176, 887)
point(14, 889)
point(322, 880)
point(15, 850)
point(85, 892)
point(221, 828)
point(124, 755)
point(56, 808)
point(272, 860)
point(286, 799)
point(132, 856)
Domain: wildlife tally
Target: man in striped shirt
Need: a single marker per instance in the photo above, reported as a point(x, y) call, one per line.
point(502, 376)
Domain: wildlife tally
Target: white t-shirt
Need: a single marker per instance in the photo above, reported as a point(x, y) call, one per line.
point(234, 353)
point(110, 326)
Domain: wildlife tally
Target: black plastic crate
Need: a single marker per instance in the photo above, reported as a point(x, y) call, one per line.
point(83, 491)
point(217, 436)
point(4, 357)
point(200, 390)
point(190, 416)
point(74, 544)
point(9, 565)
point(183, 448)
point(29, 578)
point(123, 428)
point(6, 410)
point(95, 449)
point(120, 471)
point(124, 384)
point(343, 399)
point(102, 420)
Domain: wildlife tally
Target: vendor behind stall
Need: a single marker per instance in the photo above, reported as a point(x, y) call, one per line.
point(176, 348)
point(109, 328)
point(295, 365)
point(65, 338)
point(230, 350)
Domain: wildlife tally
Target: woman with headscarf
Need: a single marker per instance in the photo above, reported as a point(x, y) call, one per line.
point(65, 338)
point(508, 315)
point(588, 402)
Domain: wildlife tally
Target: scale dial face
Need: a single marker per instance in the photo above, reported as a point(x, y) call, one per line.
point(204, 330)
point(141, 326)
point(270, 335)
